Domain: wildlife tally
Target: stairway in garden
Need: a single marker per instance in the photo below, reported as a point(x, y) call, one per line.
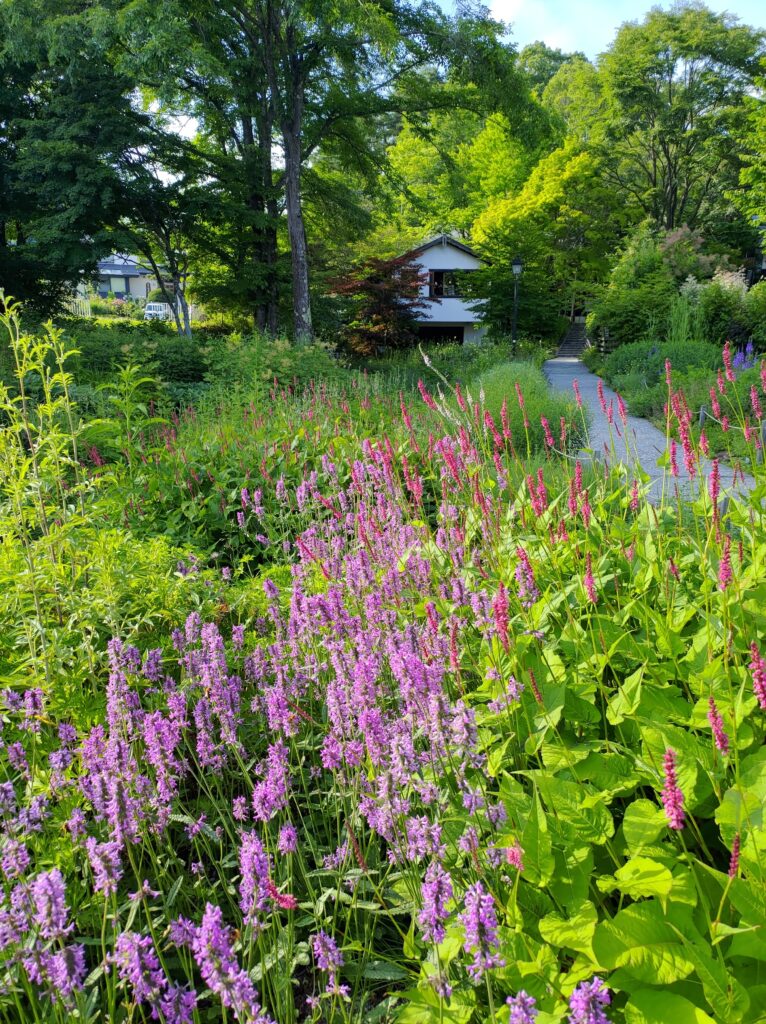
point(574, 341)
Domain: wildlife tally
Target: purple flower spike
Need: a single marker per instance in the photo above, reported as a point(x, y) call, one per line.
point(136, 961)
point(436, 892)
point(586, 1003)
point(523, 1008)
point(220, 968)
point(49, 898)
point(480, 924)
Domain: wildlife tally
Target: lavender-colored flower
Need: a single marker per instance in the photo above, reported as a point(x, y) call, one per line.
point(136, 961)
point(238, 636)
point(220, 969)
point(255, 867)
point(182, 932)
point(288, 839)
point(178, 1004)
point(587, 1001)
point(17, 758)
point(106, 862)
point(436, 893)
point(480, 925)
point(523, 1008)
point(50, 910)
point(513, 690)
point(33, 709)
point(15, 859)
point(672, 797)
point(239, 809)
point(525, 579)
point(328, 958)
point(7, 799)
point(66, 972)
point(423, 838)
point(270, 794)
point(152, 667)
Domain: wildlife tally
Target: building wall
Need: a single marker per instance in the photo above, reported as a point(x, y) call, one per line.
point(449, 309)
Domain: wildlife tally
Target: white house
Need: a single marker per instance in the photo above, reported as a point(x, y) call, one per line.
point(124, 277)
point(448, 316)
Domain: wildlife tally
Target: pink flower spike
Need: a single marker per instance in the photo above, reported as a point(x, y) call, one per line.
point(727, 362)
point(672, 797)
point(755, 403)
point(725, 574)
point(578, 396)
point(589, 582)
point(734, 860)
point(716, 724)
point(548, 435)
point(758, 670)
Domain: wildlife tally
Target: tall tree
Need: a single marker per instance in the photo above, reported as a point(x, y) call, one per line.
point(67, 123)
point(676, 84)
point(294, 74)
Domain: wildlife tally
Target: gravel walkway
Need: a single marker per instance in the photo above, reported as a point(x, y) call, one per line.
point(645, 443)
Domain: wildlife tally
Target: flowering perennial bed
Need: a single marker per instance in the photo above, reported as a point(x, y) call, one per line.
point(490, 754)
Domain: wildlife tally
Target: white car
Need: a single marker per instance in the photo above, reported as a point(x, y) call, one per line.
point(157, 311)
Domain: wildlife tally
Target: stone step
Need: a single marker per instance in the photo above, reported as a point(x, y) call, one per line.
point(574, 340)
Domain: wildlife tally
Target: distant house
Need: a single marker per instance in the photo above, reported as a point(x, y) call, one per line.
point(124, 278)
point(447, 316)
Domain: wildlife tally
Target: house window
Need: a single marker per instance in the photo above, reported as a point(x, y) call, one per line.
point(443, 284)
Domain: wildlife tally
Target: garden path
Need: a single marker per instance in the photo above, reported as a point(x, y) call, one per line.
point(645, 442)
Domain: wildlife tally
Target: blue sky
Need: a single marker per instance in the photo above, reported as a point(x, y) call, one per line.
point(590, 25)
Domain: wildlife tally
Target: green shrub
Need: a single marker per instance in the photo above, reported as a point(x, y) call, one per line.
point(723, 307)
point(498, 385)
point(258, 360)
point(755, 314)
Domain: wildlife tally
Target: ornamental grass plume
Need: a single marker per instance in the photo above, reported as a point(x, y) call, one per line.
point(587, 1002)
point(672, 797)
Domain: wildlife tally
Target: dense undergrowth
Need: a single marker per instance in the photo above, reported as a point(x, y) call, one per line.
point(328, 705)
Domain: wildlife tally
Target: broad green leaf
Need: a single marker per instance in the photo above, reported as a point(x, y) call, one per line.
point(642, 876)
point(537, 846)
point(627, 698)
point(575, 933)
point(642, 824)
point(641, 941)
point(648, 1006)
point(726, 996)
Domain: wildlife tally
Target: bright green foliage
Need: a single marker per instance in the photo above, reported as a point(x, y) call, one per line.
point(563, 224)
point(675, 85)
point(66, 125)
point(638, 298)
point(529, 645)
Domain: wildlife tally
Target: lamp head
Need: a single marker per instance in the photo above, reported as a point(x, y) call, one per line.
point(517, 266)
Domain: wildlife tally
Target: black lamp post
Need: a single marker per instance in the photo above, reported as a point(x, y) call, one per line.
point(517, 266)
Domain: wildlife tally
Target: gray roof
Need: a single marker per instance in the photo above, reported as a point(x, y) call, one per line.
point(444, 239)
point(107, 268)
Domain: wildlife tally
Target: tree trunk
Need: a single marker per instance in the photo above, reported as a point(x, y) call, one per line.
point(302, 326)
